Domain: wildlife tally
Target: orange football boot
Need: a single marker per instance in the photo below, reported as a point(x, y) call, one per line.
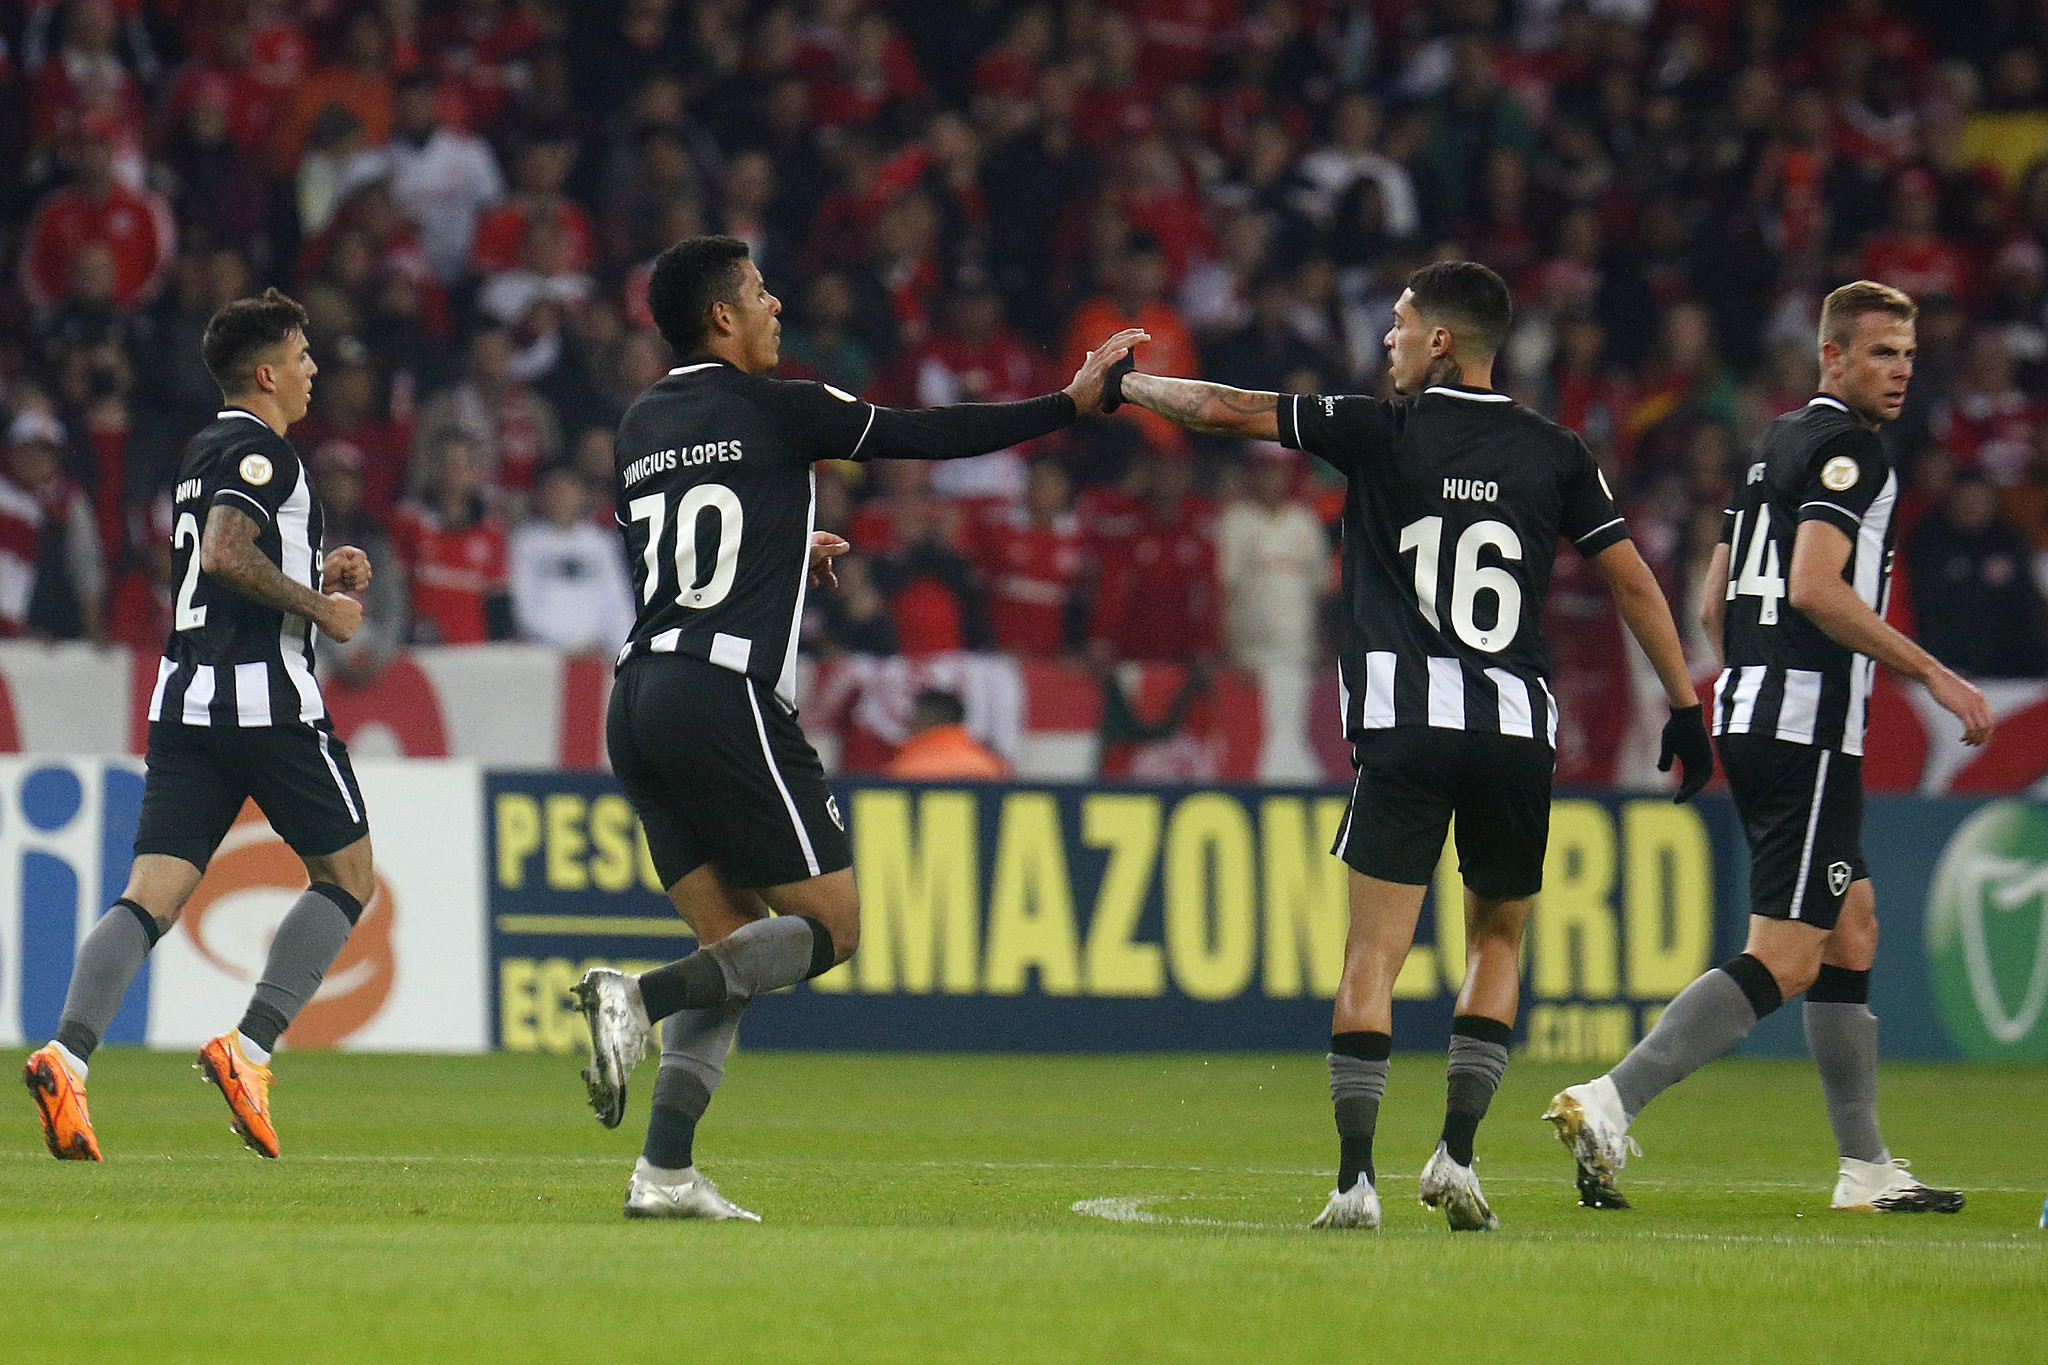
point(60, 1097)
point(245, 1086)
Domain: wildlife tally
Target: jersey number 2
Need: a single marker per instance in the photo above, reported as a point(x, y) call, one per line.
point(703, 497)
point(186, 533)
point(1425, 536)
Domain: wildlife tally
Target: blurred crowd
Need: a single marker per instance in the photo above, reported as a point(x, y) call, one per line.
point(953, 200)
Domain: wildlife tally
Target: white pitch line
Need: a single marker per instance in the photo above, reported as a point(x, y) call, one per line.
point(1131, 1209)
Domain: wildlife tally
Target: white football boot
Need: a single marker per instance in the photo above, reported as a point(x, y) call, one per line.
point(688, 1193)
point(1888, 1187)
point(1455, 1189)
point(1357, 1207)
point(1591, 1122)
point(618, 1038)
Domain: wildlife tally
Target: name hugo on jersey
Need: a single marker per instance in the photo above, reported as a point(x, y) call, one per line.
point(708, 453)
point(1472, 490)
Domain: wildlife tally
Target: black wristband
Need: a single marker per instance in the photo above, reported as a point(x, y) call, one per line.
point(1113, 383)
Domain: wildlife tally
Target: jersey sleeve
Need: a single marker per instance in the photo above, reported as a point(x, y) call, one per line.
point(1343, 432)
point(817, 421)
point(255, 478)
point(1843, 479)
point(1589, 518)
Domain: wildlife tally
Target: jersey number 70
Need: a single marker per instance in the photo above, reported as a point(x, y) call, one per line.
point(698, 499)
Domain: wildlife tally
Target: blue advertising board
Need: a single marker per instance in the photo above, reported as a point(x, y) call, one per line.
point(1073, 918)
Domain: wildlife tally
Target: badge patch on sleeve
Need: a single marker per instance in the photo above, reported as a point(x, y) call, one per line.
point(1840, 473)
point(256, 469)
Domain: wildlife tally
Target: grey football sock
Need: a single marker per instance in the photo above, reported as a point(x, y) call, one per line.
point(1357, 1085)
point(1471, 1076)
point(113, 952)
point(1708, 1018)
point(1843, 1040)
point(694, 1044)
point(307, 942)
point(765, 955)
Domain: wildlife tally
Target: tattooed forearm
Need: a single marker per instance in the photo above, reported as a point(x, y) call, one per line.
point(1215, 409)
point(228, 553)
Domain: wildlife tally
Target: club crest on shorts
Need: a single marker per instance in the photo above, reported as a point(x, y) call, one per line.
point(832, 809)
point(256, 469)
point(1838, 878)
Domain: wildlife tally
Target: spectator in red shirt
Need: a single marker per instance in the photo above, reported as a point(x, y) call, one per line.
point(1986, 422)
point(539, 173)
point(1908, 254)
point(1031, 558)
point(85, 76)
point(139, 615)
point(974, 358)
point(1158, 597)
point(453, 549)
point(345, 426)
point(136, 227)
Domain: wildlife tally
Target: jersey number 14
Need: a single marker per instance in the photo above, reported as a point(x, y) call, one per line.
point(687, 519)
point(1762, 577)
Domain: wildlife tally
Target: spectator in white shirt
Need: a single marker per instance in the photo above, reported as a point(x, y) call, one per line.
point(1353, 154)
point(442, 177)
point(569, 584)
point(1274, 563)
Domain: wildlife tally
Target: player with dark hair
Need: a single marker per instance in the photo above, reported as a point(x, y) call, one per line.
point(718, 501)
point(1796, 596)
point(1457, 498)
point(236, 714)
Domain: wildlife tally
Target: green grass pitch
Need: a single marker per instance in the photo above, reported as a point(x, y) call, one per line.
point(921, 1209)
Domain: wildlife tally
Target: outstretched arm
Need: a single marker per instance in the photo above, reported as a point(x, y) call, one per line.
point(228, 554)
point(963, 429)
point(1215, 409)
point(1648, 617)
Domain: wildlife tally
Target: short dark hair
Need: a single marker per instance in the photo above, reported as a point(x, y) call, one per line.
point(1467, 298)
point(238, 335)
point(688, 278)
point(943, 707)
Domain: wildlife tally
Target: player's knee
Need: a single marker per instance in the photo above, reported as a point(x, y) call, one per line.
point(845, 935)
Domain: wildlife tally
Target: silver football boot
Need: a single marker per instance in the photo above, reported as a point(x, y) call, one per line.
point(618, 1039)
point(1455, 1189)
point(687, 1193)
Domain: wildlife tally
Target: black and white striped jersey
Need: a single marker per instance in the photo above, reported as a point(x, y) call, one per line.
point(230, 661)
point(717, 499)
point(1785, 676)
point(1456, 502)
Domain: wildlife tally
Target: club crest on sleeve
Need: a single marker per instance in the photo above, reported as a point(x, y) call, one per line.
point(256, 469)
point(832, 809)
point(1839, 473)
point(841, 394)
point(1838, 878)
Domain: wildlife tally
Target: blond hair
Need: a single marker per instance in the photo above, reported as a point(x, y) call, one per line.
point(1844, 306)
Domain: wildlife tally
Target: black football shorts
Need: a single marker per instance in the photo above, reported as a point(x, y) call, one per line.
point(1802, 812)
point(721, 772)
point(1413, 779)
point(199, 776)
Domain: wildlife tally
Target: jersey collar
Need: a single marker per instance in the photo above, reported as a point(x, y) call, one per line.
point(697, 365)
point(1828, 399)
point(1469, 394)
point(239, 412)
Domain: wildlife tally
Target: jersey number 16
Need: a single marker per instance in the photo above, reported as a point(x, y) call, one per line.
point(1425, 536)
point(690, 507)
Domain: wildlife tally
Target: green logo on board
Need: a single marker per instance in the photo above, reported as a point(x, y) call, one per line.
point(1987, 933)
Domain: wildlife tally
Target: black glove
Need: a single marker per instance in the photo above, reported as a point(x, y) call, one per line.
point(1113, 383)
point(1685, 739)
